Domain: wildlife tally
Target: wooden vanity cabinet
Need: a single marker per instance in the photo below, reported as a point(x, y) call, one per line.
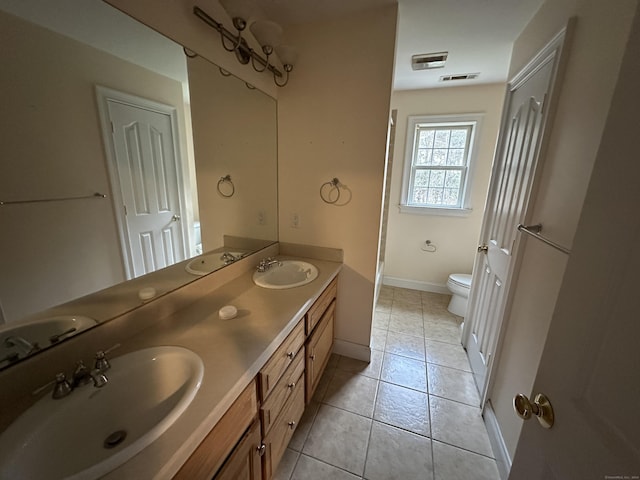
point(318, 350)
point(245, 463)
point(221, 441)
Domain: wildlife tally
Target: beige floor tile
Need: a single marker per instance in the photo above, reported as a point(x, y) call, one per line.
point(286, 465)
point(406, 309)
point(452, 384)
point(321, 389)
point(339, 438)
point(404, 371)
point(407, 296)
point(368, 369)
point(309, 468)
point(352, 392)
point(453, 463)
point(432, 298)
point(381, 319)
point(406, 345)
point(378, 339)
point(384, 305)
point(403, 408)
point(447, 355)
point(407, 324)
point(397, 455)
point(459, 425)
point(386, 291)
point(443, 331)
point(304, 426)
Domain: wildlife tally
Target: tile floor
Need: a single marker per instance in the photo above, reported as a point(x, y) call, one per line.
point(412, 413)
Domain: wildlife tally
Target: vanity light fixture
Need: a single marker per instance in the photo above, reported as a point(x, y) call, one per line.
point(266, 32)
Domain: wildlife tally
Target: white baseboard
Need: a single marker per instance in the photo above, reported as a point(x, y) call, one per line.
point(352, 350)
point(503, 460)
point(415, 285)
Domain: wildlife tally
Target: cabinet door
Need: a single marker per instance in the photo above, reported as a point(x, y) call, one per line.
point(244, 463)
point(318, 350)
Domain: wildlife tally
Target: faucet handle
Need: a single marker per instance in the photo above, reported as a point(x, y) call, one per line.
point(102, 364)
point(61, 388)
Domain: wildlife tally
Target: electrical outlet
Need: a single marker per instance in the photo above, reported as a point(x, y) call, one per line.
point(295, 220)
point(262, 217)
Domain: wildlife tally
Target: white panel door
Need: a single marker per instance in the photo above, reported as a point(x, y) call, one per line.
point(590, 366)
point(511, 185)
point(146, 167)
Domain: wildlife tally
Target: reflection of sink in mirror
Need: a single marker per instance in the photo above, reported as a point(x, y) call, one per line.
point(212, 261)
point(286, 274)
point(94, 430)
point(22, 339)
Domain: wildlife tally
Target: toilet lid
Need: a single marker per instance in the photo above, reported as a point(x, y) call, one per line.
point(462, 279)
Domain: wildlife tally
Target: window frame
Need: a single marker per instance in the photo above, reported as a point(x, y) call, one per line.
point(474, 120)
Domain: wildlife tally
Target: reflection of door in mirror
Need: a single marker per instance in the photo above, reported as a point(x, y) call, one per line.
point(145, 164)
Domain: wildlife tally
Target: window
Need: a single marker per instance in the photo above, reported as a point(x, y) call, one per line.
point(438, 164)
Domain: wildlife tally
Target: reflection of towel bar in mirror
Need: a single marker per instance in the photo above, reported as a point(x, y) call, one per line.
point(222, 181)
point(95, 195)
point(534, 231)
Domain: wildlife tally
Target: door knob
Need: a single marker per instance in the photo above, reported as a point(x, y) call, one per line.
point(176, 218)
point(541, 408)
point(484, 248)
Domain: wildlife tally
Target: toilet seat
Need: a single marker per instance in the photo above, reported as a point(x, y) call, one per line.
point(462, 280)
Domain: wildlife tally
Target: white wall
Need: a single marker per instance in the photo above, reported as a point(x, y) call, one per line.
point(595, 55)
point(456, 238)
point(332, 122)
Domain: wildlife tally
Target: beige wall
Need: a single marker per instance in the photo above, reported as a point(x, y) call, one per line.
point(52, 147)
point(594, 59)
point(456, 238)
point(332, 122)
point(234, 133)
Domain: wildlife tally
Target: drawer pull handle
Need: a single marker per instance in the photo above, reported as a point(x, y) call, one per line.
point(291, 355)
point(292, 425)
point(261, 449)
point(312, 357)
point(291, 385)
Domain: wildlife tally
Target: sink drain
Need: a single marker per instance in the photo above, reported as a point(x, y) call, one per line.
point(115, 439)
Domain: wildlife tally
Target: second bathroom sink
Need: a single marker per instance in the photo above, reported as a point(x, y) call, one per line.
point(286, 274)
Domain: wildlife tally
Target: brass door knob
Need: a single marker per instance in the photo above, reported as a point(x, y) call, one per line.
point(541, 408)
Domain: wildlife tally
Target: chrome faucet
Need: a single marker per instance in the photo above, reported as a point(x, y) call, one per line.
point(81, 376)
point(266, 263)
point(228, 258)
point(22, 344)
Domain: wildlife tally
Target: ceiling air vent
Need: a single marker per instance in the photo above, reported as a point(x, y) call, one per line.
point(459, 76)
point(426, 61)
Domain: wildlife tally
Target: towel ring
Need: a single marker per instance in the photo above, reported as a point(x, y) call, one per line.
point(333, 184)
point(226, 179)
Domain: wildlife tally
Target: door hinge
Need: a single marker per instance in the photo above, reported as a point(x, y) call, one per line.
point(125, 209)
point(113, 128)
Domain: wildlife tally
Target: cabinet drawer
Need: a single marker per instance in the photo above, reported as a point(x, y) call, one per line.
point(222, 439)
point(280, 360)
point(318, 351)
point(281, 393)
point(282, 430)
point(318, 308)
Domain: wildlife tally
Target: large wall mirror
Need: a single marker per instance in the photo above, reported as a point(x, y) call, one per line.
point(182, 155)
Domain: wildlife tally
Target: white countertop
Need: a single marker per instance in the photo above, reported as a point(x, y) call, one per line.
point(233, 351)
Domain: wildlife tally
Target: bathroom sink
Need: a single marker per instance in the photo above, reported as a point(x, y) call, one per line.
point(94, 430)
point(286, 274)
point(20, 339)
point(211, 261)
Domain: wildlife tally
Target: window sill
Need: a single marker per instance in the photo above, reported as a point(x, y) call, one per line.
point(446, 212)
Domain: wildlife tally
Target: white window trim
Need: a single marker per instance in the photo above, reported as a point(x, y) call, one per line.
point(412, 122)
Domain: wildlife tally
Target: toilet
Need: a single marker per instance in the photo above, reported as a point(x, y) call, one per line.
point(459, 284)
